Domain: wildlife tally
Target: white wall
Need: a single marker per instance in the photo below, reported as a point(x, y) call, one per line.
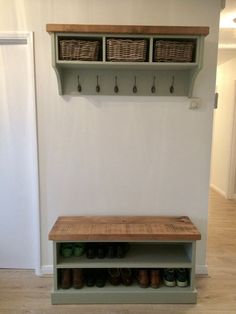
point(105, 155)
point(223, 122)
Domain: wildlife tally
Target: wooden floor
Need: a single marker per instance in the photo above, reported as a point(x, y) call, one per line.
point(23, 292)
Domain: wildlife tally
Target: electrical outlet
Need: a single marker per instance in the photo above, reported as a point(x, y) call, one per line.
point(195, 103)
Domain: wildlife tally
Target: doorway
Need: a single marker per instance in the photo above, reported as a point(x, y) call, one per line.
point(19, 189)
point(223, 166)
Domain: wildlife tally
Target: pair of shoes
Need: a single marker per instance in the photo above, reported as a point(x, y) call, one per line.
point(69, 249)
point(91, 250)
point(173, 277)
point(110, 250)
point(148, 278)
point(117, 276)
point(72, 277)
point(117, 250)
point(96, 277)
point(94, 250)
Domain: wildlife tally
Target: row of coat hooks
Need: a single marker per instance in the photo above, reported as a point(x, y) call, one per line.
point(135, 87)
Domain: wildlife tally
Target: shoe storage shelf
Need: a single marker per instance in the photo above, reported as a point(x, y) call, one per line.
point(126, 60)
point(154, 243)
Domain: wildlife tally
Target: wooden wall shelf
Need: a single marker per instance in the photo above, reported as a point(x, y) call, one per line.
point(88, 74)
point(128, 29)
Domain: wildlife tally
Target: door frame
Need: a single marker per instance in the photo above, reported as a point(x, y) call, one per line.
point(27, 38)
point(231, 193)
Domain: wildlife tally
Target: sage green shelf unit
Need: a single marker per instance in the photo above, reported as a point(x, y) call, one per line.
point(154, 242)
point(184, 73)
point(150, 255)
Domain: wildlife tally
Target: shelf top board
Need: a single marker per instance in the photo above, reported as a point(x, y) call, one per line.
point(115, 228)
point(128, 29)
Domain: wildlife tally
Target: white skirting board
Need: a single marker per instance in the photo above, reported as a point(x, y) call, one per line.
point(221, 192)
point(200, 270)
point(217, 189)
point(234, 196)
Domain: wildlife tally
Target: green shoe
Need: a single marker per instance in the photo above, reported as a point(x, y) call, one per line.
point(79, 249)
point(66, 249)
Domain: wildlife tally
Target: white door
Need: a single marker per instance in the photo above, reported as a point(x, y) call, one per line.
point(18, 156)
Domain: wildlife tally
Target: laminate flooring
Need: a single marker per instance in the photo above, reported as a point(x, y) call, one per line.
point(24, 293)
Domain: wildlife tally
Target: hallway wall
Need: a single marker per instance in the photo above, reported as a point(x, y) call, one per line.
point(123, 155)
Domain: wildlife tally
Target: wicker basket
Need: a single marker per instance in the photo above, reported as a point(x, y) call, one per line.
point(86, 50)
point(126, 50)
point(173, 51)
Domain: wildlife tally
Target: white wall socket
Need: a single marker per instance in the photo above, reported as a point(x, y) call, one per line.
point(195, 103)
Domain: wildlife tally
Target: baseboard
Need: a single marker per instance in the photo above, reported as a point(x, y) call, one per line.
point(46, 270)
point(217, 189)
point(233, 197)
point(201, 270)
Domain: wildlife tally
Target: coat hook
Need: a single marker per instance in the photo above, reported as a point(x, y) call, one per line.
point(172, 87)
point(97, 86)
point(135, 87)
point(79, 86)
point(116, 88)
point(153, 89)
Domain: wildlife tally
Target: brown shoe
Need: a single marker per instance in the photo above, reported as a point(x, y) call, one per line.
point(126, 276)
point(78, 278)
point(155, 278)
point(65, 278)
point(143, 278)
point(114, 276)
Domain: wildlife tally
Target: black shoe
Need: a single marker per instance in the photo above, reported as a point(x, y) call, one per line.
point(126, 276)
point(114, 276)
point(91, 251)
point(122, 249)
point(101, 250)
point(101, 277)
point(169, 277)
point(111, 251)
point(90, 278)
point(181, 277)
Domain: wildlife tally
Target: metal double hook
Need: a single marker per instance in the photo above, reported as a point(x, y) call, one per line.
point(153, 88)
point(172, 87)
point(79, 87)
point(98, 86)
point(135, 89)
point(116, 88)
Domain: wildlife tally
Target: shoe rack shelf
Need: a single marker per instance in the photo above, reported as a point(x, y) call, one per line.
point(76, 77)
point(154, 242)
point(140, 255)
